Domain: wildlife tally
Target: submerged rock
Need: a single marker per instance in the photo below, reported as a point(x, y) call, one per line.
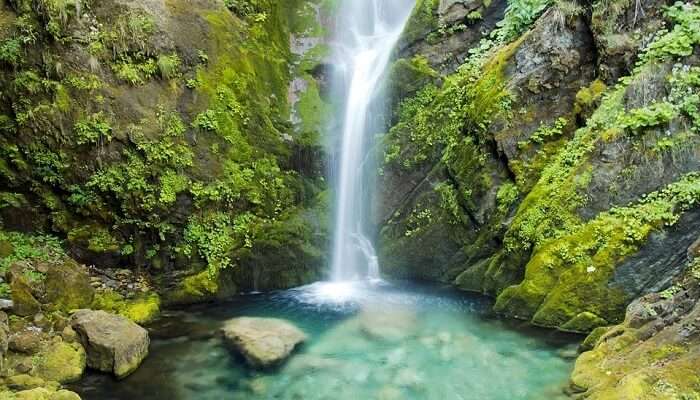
point(113, 343)
point(390, 324)
point(263, 342)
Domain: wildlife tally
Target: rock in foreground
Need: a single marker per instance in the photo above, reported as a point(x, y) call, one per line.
point(112, 342)
point(263, 342)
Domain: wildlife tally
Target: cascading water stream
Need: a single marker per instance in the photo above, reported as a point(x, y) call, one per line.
point(367, 32)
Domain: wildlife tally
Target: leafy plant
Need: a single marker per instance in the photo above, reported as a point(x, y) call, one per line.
point(206, 121)
point(169, 66)
point(647, 117)
point(93, 129)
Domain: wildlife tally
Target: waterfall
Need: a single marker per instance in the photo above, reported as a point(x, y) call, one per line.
point(367, 31)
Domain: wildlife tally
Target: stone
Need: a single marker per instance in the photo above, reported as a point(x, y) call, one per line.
point(64, 395)
point(23, 302)
point(388, 324)
point(42, 322)
point(263, 342)
point(69, 335)
point(23, 366)
point(60, 361)
point(34, 394)
point(27, 341)
point(24, 382)
point(113, 343)
point(68, 287)
point(6, 304)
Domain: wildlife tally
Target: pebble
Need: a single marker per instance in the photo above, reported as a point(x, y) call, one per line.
point(6, 305)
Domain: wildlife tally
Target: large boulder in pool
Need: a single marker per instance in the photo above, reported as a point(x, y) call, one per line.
point(113, 343)
point(263, 342)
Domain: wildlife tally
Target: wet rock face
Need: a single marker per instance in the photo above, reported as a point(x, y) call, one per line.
point(113, 343)
point(543, 74)
point(263, 342)
point(458, 25)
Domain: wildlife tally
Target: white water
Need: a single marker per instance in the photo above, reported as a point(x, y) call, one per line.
point(367, 31)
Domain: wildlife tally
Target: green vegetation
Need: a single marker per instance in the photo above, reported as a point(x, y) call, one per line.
point(142, 309)
point(566, 278)
point(157, 178)
point(93, 129)
point(15, 246)
point(169, 66)
point(546, 133)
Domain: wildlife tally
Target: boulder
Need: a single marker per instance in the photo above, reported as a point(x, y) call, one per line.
point(263, 342)
point(113, 343)
point(23, 302)
point(68, 286)
point(26, 341)
point(60, 361)
point(46, 394)
point(24, 382)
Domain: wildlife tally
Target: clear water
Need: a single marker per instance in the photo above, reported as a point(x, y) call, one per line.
point(367, 341)
point(367, 31)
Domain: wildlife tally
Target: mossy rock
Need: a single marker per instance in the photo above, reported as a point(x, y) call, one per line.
point(68, 287)
point(24, 382)
point(142, 309)
point(60, 361)
point(34, 394)
point(24, 303)
point(583, 322)
point(41, 394)
point(202, 286)
point(592, 339)
point(6, 248)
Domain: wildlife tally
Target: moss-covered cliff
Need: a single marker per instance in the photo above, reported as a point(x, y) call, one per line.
point(537, 175)
point(168, 135)
point(551, 160)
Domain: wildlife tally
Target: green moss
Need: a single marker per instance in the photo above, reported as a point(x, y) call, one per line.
point(199, 287)
point(67, 287)
point(313, 113)
point(94, 238)
point(566, 280)
point(407, 76)
point(583, 322)
point(667, 351)
point(593, 337)
point(422, 21)
point(588, 97)
point(141, 309)
point(60, 361)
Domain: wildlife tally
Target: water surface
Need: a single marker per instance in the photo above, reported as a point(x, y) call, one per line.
point(367, 341)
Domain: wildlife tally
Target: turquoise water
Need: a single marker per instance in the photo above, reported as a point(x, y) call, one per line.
point(368, 341)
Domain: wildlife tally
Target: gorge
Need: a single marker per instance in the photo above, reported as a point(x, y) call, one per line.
point(385, 199)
